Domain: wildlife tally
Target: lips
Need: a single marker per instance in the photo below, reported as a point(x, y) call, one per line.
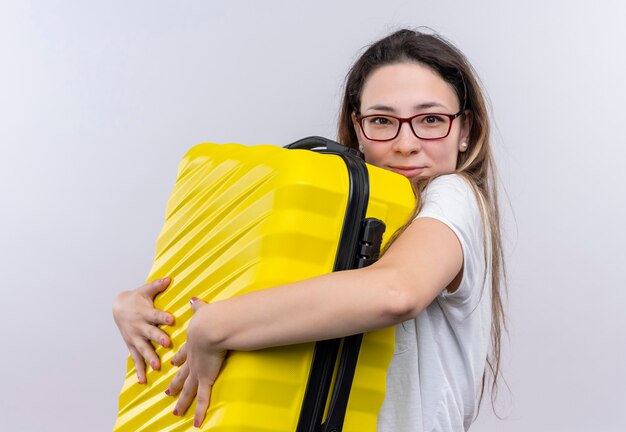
point(407, 171)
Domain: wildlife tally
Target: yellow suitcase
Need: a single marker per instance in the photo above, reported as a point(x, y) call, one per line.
point(246, 218)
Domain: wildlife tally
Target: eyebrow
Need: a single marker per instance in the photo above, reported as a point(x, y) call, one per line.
point(386, 108)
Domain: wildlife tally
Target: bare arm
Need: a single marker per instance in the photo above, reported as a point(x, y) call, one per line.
point(422, 262)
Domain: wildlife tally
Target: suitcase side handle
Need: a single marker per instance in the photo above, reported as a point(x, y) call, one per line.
point(371, 237)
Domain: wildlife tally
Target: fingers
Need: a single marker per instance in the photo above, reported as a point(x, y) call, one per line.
point(150, 314)
point(151, 289)
point(155, 334)
point(196, 303)
point(157, 316)
point(178, 381)
point(186, 395)
point(140, 366)
point(146, 350)
point(138, 321)
point(202, 404)
point(180, 357)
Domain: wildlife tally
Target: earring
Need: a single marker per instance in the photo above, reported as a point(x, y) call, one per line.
point(361, 149)
point(463, 146)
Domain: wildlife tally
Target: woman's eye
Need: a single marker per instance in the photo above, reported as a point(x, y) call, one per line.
point(379, 121)
point(432, 119)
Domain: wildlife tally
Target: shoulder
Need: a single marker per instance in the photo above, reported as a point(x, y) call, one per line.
point(450, 181)
point(451, 196)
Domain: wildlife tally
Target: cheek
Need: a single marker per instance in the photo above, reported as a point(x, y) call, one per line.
point(374, 155)
point(444, 156)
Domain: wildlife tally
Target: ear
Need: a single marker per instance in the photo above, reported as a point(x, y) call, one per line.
point(357, 127)
point(355, 122)
point(358, 132)
point(466, 126)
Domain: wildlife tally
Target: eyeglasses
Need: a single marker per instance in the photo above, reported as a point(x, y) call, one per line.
point(430, 126)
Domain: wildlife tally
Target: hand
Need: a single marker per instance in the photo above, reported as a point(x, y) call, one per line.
point(137, 320)
point(200, 367)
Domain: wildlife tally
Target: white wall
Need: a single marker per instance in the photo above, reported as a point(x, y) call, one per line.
point(99, 100)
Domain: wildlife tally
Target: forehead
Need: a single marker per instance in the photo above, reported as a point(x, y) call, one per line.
point(405, 86)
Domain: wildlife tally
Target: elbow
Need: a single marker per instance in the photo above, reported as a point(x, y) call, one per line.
point(400, 305)
point(402, 300)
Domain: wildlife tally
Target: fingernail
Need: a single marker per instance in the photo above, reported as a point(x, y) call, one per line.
point(163, 342)
point(168, 320)
point(154, 364)
point(167, 392)
point(196, 423)
point(193, 300)
point(175, 412)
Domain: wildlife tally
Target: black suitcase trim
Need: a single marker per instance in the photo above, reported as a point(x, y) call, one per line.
point(359, 246)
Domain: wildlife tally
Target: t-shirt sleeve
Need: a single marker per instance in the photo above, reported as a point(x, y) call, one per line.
point(450, 199)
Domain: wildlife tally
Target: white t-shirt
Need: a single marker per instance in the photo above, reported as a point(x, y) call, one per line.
point(435, 375)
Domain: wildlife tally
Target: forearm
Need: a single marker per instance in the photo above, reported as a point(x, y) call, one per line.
point(421, 263)
point(325, 307)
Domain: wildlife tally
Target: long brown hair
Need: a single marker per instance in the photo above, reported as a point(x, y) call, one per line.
point(476, 164)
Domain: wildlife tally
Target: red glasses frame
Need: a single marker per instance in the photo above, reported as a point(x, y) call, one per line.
point(409, 121)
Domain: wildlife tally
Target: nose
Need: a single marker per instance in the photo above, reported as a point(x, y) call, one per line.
point(406, 142)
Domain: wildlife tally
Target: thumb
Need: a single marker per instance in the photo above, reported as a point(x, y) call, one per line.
point(156, 286)
point(196, 303)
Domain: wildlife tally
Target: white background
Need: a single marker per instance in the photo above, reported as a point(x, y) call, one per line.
point(100, 100)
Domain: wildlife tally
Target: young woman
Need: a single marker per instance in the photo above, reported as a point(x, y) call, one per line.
point(412, 105)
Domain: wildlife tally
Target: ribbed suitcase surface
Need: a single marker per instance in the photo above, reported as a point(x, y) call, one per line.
point(242, 219)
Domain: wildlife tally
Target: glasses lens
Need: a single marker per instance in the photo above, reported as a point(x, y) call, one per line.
point(431, 126)
point(380, 127)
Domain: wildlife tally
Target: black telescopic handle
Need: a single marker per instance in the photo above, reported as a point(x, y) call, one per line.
point(314, 142)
